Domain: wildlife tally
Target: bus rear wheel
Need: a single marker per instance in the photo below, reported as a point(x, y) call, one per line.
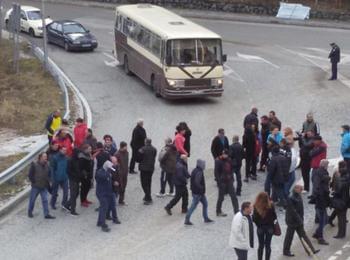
point(126, 66)
point(154, 88)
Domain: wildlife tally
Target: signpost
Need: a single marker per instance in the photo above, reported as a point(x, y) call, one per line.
point(15, 27)
point(44, 35)
point(1, 21)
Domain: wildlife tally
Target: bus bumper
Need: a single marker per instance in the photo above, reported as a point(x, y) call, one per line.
point(190, 93)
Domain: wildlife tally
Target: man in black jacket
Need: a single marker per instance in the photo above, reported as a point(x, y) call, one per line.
point(320, 180)
point(265, 131)
point(224, 178)
point(295, 223)
point(146, 166)
point(137, 141)
point(251, 119)
point(219, 143)
point(334, 57)
point(198, 192)
point(180, 182)
point(236, 153)
point(249, 145)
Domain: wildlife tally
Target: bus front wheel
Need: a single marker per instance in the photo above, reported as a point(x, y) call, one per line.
point(154, 88)
point(126, 66)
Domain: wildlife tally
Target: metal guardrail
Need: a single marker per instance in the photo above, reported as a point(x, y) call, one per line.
point(63, 82)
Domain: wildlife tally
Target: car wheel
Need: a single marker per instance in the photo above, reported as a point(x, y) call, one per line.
point(31, 32)
point(154, 88)
point(126, 66)
point(66, 46)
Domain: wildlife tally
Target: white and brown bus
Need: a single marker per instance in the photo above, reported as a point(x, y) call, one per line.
point(173, 55)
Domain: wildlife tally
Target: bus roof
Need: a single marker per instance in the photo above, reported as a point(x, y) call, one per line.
point(166, 24)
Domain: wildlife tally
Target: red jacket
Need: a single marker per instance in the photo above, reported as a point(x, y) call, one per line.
point(66, 142)
point(317, 154)
point(179, 144)
point(79, 134)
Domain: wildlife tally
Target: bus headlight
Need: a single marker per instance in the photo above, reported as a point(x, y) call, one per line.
point(217, 82)
point(171, 82)
point(176, 83)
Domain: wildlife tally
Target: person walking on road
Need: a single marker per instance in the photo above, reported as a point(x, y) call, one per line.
point(146, 166)
point(80, 132)
point(251, 119)
point(187, 136)
point(345, 144)
point(224, 178)
point(334, 57)
point(198, 193)
point(321, 182)
point(167, 160)
point(39, 176)
point(219, 143)
point(123, 159)
point(341, 198)
point(86, 166)
point(104, 193)
point(242, 232)
point(137, 141)
point(180, 140)
point(59, 165)
point(236, 153)
point(180, 182)
point(53, 123)
point(249, 145)
point(264, 217)
point(295, 223)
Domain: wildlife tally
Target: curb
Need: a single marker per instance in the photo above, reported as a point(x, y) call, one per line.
point(222, 16)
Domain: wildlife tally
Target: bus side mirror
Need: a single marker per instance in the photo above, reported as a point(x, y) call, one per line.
point(168, 60)
point(224, 58)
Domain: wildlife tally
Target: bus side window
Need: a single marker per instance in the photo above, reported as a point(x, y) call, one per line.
point(155, 44)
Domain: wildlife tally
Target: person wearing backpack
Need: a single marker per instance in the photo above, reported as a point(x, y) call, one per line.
point(167, 160)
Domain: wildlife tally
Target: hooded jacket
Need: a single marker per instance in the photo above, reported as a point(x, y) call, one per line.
point(197, 178)
point(345, 145)
point(181, 174)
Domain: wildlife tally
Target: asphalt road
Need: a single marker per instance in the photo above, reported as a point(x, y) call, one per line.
point(273, 67)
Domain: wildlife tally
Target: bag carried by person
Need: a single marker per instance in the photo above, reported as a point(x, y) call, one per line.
point(276, 228)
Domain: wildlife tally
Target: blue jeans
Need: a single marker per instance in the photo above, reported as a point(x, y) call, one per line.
point(288, 185)
point(33, 195)
point(112, 207)
point(268, 184)
point(55, 187)
point(166, 178)
point(322, 218)
point(106, 204)
point(195, 200)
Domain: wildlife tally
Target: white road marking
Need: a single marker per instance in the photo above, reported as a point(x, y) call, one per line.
point(339, 252)
point(228, 71)
point(332, 257)
point(325, 68)
point(345, 57)
point(256, 58)
point(113, 63)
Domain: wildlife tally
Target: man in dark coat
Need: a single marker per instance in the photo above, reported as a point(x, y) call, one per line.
point(295, 223)
point(249, 143)
point(137, 141)
point(251, 119)
point(219, 143)
point(123, 159)
point(180, 182)
point(224, 178)
point(265, 132)
point(320, 180)
point(167, 162)
point(334, 57)
point(198, 192)
point(274, 120)
point(146, 166)
point(236, 153)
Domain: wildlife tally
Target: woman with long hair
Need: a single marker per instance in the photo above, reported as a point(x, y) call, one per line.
point(264, 217)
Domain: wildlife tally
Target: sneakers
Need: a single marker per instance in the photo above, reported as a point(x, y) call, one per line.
point(321, 241)
point(208, 220)
point(147, 202)
point(30, 215)
point(65, 208)
point(168, 211)
point(160, 195)
point(170, 194)
point(48, 216)
point(221, 214)
point(188, 223)
point(288, 254)
point(105, 228)
point(316, 251)
point(74, 214)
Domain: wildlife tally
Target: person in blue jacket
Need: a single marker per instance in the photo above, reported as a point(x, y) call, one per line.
point(104, 193)
point(345, 144)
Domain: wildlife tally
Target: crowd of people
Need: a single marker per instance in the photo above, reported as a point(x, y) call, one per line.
point(76, 162)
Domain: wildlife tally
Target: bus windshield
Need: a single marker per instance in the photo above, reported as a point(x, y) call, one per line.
point(205, 52)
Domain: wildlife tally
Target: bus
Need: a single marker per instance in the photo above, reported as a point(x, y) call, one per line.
point(174, 56)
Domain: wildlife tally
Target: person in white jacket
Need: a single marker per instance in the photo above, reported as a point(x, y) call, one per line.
point(242, 234)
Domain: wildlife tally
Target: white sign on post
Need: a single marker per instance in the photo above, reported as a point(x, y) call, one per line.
point(293, 11)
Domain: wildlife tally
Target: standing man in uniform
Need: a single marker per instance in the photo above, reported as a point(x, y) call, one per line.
point(137, 142)
point(334, 57)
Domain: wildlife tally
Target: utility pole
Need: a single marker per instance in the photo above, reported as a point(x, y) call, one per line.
point(44, 35)
point(1, 21)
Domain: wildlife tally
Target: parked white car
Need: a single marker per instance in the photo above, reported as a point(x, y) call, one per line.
point(31, 21)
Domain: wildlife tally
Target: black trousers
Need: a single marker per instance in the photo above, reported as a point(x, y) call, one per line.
point(133, 159)
point(305, 166)
point(250, 166)
point(181, 192)
point(302, 236)
point(334, 70)
point(85, 188)
point(341, 214)
point(74, 187)
point(241, 254)
point(264, 156)
point(146, 183)
point(237, 172)
point(226, 188)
